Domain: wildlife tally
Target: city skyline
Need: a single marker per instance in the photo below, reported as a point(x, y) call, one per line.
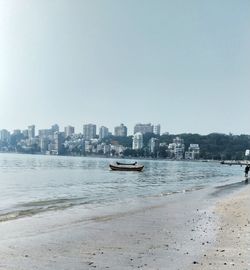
point(183, 64)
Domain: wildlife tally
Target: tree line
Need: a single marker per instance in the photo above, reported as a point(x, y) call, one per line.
point(215, 146)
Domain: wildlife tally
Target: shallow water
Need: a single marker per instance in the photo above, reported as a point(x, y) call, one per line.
point(32, 184)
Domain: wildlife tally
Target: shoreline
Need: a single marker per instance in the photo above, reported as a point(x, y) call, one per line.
point(169, 232)
point(147, 235)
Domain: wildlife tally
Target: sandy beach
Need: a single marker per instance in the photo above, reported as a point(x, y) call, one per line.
point(231, 248)
point(194, 230)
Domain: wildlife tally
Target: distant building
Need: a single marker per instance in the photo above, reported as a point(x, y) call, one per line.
point(89, 131)
point(193, 152)
point(69, 130)
point(153, 145)
point(58, 143)
point(45, 133)
point(31, 131)
point(143, 128)
point(25, 133)
point(157, 129)
point(55, 128)
point(103, 132)
point(117, 150)
point(16, 132)
point(137, 141)
point(177, 148)
point(4, 136)
point(121, 131)
point(44, 143)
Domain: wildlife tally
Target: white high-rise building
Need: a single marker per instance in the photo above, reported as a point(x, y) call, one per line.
point(103, 132)
point(153, 145)
point(137, 141)
point(157, 129)
point(31, 131)
point(89, 131)
point(69, 130)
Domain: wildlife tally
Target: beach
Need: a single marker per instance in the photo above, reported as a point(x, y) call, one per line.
point(194, 230)
point(231, 248)
point(73, 213)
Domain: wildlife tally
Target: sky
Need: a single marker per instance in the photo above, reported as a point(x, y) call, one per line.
point(183, 64)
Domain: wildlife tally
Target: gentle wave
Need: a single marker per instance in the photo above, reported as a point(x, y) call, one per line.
point(37, 207)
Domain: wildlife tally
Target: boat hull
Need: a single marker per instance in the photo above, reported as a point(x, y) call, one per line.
point(137, 168)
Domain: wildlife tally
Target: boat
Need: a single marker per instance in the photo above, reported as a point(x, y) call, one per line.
point(120, 163)
point(126, 167)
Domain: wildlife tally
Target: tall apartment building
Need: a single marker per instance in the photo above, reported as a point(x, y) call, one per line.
point(69, 130)
point(58, 142)
point(157, 129)
point(4, 135)
point(154, 145)
point(89, 131)
point(16, 132)
point(25, 133)
point(143, 128)
point(31, 131)
point(103, 132)
point(44, 133)
point(55, 128)
point(137, 141)
point(121, 131)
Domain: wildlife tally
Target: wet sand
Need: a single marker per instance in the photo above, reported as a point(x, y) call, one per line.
point(172, 232)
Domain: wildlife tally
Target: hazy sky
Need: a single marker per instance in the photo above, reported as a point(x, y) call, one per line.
point(183, 64)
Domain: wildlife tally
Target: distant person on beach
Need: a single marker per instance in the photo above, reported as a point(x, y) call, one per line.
point(247, 170)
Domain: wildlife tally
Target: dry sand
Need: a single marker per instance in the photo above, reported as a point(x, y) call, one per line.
point(232, 247)
point(172, 232)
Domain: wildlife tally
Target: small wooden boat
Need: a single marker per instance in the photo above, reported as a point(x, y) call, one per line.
point(120, 163)
point(126, 167)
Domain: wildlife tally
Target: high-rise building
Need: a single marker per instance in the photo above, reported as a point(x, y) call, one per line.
point(137, 141)
point(69, 130)
point(143, 128)
point(89, 131)
point(4, 135)
point(55, 128)
point(121, 131)
point(58, 140)
point(31, 131)
point(157, 129)
point(16, 132)
point(153, 145)
point(103, 132)
point(25, 133)
point(44, 133)
point(44, 142)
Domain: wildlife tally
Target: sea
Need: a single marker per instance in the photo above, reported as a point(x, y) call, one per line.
point(33, 184)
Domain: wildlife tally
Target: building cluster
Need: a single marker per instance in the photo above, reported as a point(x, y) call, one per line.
point(52, 141)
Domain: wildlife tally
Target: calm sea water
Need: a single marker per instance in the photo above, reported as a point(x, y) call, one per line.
point(32, 184)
